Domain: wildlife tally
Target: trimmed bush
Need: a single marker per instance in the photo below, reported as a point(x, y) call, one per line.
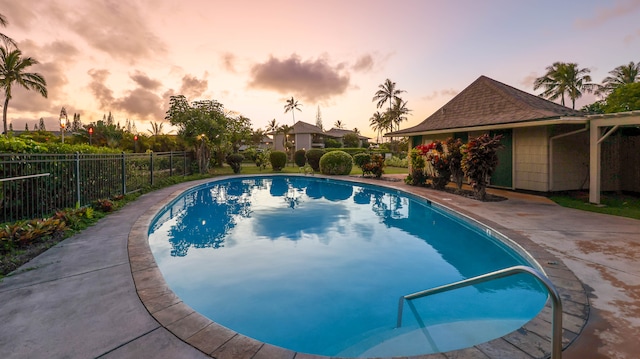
point(313, 158)
point(278, 160)
point(336, 163)
point(235, 161)
point(361, 159)
point(299, 158)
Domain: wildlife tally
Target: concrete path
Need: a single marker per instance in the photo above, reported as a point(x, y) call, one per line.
point(78, 299)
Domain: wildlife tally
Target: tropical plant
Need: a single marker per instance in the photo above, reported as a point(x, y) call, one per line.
point(262, 159)
point(621, 75)
point(438, 169)
point(299, 157)
point(278, 160)
point(313, 158)
point(336, 163)
point(370, 163)
point(332, 143)
point(417, 177)
point(454, 150)
point(479, 160)
point(564, 78)
point(292, 105)
point(338, 124)
point(12, 71)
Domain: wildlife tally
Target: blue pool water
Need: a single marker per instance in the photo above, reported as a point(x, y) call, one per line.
point(317, 266)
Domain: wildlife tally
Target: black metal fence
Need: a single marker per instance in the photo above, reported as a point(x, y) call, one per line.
point(36, 185)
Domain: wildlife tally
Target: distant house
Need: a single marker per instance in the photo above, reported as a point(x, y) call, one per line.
point(338, 134)
point(548, 147)
point(305, 136)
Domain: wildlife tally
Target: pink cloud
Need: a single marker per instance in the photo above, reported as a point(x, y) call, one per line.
point(311, 80)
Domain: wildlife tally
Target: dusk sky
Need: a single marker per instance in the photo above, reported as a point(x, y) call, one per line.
point(128, 57)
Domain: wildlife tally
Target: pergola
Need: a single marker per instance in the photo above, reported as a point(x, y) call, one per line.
point(601, 127)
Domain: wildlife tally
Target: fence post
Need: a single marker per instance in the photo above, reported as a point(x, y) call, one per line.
point(124, 174)
point(170, 163)
point(151, 166)
point(78, 203)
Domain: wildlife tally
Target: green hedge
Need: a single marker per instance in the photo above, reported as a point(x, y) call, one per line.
point(336, 163)
point(278, 160)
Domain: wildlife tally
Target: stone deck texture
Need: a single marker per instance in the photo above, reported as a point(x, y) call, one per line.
point(99, 293)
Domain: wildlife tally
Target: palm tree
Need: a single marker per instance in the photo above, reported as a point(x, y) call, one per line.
point(621, 75)
point(564, 78)
point(338, 124)
point(156, 129)
point(8, 42)
point(377, 123)
point(387, 92)
point(12, 66)
point(292, 105)
point(272, 126)
point(398, 112)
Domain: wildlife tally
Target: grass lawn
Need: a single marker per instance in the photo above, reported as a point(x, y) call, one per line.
point(611, 203)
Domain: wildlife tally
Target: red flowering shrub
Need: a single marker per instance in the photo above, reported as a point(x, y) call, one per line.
point(479, 161)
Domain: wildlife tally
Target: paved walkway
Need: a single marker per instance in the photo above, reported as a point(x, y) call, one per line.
point(79, 299)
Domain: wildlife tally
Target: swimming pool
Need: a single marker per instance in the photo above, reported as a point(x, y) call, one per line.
point(317, 266)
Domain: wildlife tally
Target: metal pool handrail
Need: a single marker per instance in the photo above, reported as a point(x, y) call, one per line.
point(556, 304)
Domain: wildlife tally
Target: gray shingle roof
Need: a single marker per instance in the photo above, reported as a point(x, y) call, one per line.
point(339, 133)
point(303, 127)
point(489, 102)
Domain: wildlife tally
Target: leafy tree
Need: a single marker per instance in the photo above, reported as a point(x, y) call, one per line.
point(623, 98)
point(338, 124)
point(292, 105)
point(26, 127)
point(239, 131)
point(351, 140)
point(12, 71)
point(11, 127)
point(596, 107)
point(204, 125)
point(564, 78)
point(41, 126)
point(621, 75)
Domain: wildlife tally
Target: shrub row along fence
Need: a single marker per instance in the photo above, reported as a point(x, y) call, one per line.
point(36, 185)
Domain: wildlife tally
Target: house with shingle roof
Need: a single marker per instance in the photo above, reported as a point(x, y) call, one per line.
point(338, 134)
point(547, 145)
point(305, 136)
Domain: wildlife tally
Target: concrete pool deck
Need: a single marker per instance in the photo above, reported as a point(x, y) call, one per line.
point(91, 295)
